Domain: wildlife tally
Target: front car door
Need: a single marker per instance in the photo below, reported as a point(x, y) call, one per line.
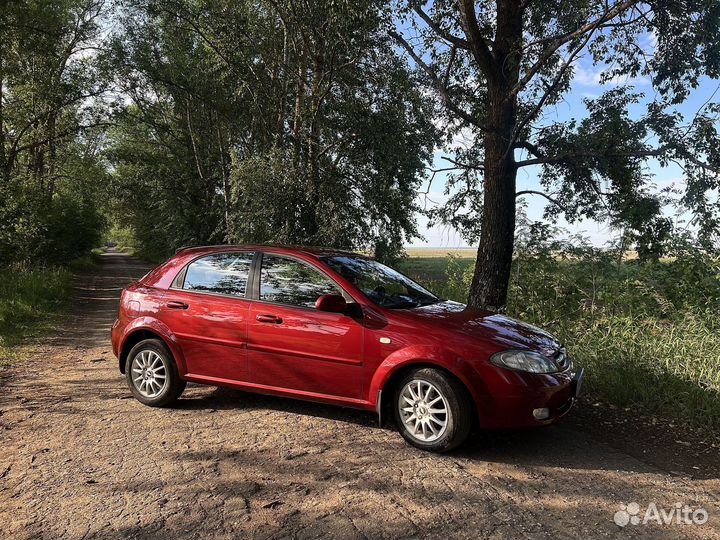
point(291, 345)
point(207, 311)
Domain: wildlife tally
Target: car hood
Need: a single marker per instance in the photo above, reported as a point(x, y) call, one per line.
point(486, 325)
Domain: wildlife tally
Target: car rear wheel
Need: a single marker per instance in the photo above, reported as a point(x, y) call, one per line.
point(152, 374)
point(433, 411)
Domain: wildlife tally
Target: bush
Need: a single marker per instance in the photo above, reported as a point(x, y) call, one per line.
point(647, 332)
point(37, 230)
point(28, 299)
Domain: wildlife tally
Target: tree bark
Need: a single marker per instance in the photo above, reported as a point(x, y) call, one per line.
point(2, 117)
point(298, 113)
point(52, 155)
point(223, 165)
point(282, 95)
point(489, 286)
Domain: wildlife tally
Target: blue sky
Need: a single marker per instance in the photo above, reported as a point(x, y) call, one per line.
point(586, 84)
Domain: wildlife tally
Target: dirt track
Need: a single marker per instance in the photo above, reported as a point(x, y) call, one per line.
point(80, 459)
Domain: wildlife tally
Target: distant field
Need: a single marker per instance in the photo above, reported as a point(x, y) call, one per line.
point(441, 252)
point(429, 265)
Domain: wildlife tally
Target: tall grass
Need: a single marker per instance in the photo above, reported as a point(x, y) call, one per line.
point(648, 333)
point(29, 299)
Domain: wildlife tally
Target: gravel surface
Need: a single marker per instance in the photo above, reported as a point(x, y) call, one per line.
point(79, 458)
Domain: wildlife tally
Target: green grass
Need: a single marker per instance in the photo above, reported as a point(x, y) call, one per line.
point(31, 300)
point(670, 368)
point(432, 269)
point(88, 262)
point(648, 334)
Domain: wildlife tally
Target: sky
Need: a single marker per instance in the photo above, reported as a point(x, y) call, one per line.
point(586, 84)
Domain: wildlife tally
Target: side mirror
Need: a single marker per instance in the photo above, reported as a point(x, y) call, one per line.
point(332, 303)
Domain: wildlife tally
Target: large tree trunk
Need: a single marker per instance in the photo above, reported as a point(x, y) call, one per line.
point(494, 257)
point(497, 238)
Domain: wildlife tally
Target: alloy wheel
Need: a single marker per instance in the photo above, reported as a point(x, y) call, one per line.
point(149, 373)
point(424, 410)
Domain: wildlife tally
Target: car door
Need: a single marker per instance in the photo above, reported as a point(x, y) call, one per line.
point(207, 311)
point(291, 345)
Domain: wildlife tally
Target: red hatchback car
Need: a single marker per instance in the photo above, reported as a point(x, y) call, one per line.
point(340, 328)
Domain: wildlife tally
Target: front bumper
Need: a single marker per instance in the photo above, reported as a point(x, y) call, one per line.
point(525, 393)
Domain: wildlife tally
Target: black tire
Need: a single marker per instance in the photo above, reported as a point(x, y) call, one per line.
point(457, 403)
point(172, 386)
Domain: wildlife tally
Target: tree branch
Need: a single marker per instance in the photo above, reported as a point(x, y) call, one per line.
point(463, 165)
point(478, 46)
point(441, 89)
point(542, 194)
point(549, 160)
point(530, 147)
point(61, 135)
point(549, 91)
point(447, 36)
point(558, 41)
point(451, 61)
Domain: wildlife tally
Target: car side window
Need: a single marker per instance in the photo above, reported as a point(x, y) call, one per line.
point(287, 281)
point(222, 273)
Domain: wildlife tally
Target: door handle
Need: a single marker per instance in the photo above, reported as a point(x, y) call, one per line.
point(269, 319)
point(174, 304)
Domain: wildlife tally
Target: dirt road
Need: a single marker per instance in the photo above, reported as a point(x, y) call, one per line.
point(80, 459)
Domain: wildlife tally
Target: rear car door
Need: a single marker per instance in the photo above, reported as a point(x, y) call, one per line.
point(292, 345)
point(207, 311)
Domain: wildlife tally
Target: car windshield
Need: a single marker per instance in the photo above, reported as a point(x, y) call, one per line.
point(381, 284)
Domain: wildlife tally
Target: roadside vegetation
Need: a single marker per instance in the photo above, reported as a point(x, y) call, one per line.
point(30, 299)
point(647, 332)
point(33, 297)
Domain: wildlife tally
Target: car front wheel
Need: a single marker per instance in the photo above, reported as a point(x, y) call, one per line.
point(433, 411)
point(152, 374)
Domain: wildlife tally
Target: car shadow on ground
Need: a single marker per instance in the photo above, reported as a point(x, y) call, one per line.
point(567, 444)
point(550, 446)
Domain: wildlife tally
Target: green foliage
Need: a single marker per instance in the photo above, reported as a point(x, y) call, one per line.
point(647, 331)
point(28, 300)
point(249, 124)
point(122, 237)
point(51, 177)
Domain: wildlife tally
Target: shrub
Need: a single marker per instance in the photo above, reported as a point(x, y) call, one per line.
point(647, 332)
point(28, 298)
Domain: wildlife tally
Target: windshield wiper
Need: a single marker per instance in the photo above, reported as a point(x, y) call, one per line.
point(413, 304)
point(402, 305)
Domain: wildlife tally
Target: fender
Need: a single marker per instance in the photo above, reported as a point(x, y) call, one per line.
point(161, 329)
point(434, 355)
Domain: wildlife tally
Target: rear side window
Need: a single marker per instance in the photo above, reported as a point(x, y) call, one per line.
point(287, 281)
point(222, 273)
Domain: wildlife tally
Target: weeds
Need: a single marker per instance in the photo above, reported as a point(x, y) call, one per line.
point(29, 300)
point(648, 333)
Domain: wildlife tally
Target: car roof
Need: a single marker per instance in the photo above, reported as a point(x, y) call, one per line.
point(310, 250)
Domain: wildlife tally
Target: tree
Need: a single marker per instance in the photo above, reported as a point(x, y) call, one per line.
point(275, 121)
point(496, 65)
point(49, 166)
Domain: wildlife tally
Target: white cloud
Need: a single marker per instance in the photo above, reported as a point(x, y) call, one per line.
point(592, 77)
point(650, 42)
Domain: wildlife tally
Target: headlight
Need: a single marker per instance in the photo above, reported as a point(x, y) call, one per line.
point(524, 361)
